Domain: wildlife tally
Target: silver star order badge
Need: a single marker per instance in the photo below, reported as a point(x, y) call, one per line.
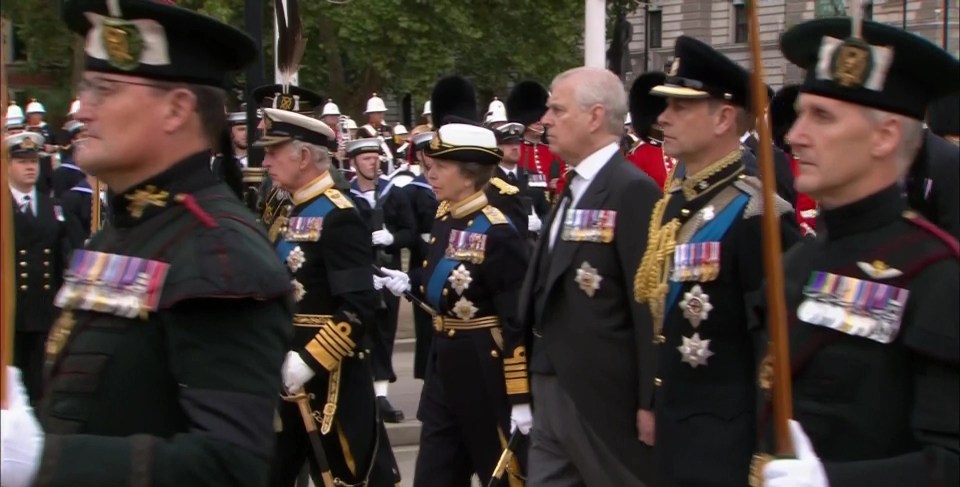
point(296, 259)
point(298, 290)
point(696, 305)
point(695, 351)
point(460, 279)
point(464, 309)
point(588, 279)
point(708, 213)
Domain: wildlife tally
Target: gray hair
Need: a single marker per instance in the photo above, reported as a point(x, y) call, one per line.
point(911, 136)
point(597, 86)
point(320, 154)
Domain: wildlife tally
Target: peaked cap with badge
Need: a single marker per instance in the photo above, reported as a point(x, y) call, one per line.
point(159, 41)
point(700, 71)
point(24, 144)
point(282, 126)
point(459, 136)
point(881, 66)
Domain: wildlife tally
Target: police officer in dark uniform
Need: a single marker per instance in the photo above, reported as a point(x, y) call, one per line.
point(531, 185)
point(702, 273)
point(476, 384)
point(424, 203)
point(875, 323)
point(164, 363)
point(68, 174)
point(389, 216)
point(42, 240)
point(326, 246)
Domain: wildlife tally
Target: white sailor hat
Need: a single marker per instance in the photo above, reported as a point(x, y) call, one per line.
point(237, 118)
point(375, 105)
point(35, 107)
point(363, 146)
point(462, 142)
point(330, 108)
point(282, 126)
point(421, 140)
point(426, 109)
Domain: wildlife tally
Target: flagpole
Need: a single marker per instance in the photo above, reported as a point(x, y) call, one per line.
point(594, 33)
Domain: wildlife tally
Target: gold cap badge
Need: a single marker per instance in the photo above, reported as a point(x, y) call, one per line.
point(435, 143)
point(123, 43)
point(852, 63)
point(28, 143)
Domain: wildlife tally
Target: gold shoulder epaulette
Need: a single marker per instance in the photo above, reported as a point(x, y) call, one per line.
point(504, 187)
point(443, 208)
point(752, 187)
point(338, 199)
point(495, 216)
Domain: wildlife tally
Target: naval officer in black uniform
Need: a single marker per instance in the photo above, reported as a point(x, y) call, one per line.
point(875, 322)
point(476, 389)
point(164, 363)
point(326, 246)
point(701, 274)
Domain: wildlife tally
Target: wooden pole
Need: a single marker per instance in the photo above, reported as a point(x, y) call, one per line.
point(96, 209)
point(782, 394)
point(7, 296)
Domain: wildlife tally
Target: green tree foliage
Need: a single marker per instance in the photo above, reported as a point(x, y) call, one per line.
point(390, 47)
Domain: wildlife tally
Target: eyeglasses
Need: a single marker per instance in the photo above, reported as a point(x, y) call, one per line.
point(100, 89)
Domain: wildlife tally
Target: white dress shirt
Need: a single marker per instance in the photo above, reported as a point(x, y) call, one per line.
point(18, 197)
point(579, 180)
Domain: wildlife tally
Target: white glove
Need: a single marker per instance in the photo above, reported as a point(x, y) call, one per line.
point(804, 471)
point(378, 282)
point(397, 282)
point(21, 438)
point(521, 418)
point(295, 373)
point(534, 224)
point(383, 238)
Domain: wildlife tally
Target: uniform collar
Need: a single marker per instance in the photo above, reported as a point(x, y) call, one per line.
point(874, 211)
point(153, 196)
point(472, 204)
point(716, 174)
point(313, 189)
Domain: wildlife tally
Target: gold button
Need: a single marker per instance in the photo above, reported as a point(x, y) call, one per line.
point(657, 382)
point(46, 287)
point(451, 333)
point(360, 355)
point(660, 339)
point(23, 263)
point(46, 275)
point(433, 239)
point(46, 251)
point(494, 354)
point(23, 287)
point(470, 223)
point(421, 289)
point(444, 218)
point(684, 212)
point(445, 291)
point(23, 275)
point(424, 262)
point(23, 252)
point(46, 263)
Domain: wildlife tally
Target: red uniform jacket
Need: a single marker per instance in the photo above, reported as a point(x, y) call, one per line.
point(537, 157)
point(806, 206)
point(648, 157)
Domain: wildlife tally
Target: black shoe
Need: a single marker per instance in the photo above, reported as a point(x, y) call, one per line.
point(387, 412)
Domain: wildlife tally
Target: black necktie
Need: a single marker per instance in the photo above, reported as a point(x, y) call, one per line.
point(512, 178)
point(25, 206)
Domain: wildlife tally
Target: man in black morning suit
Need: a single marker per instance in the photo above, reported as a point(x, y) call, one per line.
point(591, 346)
point(42, 239)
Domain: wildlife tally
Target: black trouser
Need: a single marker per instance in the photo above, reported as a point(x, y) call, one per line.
point(423, 330)
point(356, 439)
point(464, 411)
point(383, 336)
point(28, 356)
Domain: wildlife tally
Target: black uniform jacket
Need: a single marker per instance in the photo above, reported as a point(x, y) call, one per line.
point(874, 330)
point(933, 183)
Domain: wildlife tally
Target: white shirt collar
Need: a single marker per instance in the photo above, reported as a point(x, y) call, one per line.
point(18, 196)
point(745, 136)
point(508, 171)
point(592, 164)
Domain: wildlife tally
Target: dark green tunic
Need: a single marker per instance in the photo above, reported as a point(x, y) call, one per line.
point(184, 394)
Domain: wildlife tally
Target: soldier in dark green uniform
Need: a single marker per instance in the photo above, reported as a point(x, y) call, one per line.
point(164, 365)
point(326, 246)
point(874, 322)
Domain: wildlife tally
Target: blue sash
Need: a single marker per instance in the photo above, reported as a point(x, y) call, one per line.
point(711, 232)
point(318, 209)
point(446, 265)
